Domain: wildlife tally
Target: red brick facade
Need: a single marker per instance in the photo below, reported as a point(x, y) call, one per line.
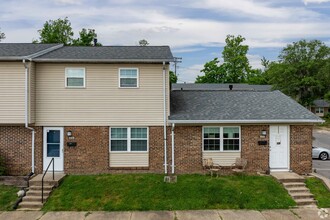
point(15, 148)
point(301, 148)
point(256, 155)
point(91, 155)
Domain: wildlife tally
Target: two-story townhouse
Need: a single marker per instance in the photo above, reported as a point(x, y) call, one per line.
point(92, 109)
point(105, 110)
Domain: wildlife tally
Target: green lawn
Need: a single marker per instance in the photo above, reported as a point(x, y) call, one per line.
point(119, 192)
point(322, 194)
point(8, 197)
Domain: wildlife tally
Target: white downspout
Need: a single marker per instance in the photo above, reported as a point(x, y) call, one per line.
point(165, 115)
point(26, 112)
point(173, 126)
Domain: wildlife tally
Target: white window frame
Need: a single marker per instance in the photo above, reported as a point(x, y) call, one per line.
point(129, 139)
point(221, 139)
point(137, 77)
point(318, 110)
point(66, 77)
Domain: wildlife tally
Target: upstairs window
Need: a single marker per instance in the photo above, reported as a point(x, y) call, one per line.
point(75, 77)
point(128, 78)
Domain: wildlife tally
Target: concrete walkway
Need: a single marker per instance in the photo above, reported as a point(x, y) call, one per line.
point(294, 214)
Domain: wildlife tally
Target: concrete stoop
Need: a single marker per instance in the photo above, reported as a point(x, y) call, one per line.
point(32, 199)
point(296, 187)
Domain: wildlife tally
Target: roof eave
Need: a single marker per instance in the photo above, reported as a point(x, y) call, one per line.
point(271, 121)
point(12, 58)
point(44, 60)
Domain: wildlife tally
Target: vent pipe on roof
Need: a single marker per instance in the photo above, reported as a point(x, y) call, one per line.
point(230, 87)
point(95, 41)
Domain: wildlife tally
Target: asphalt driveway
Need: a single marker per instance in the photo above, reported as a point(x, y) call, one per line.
point(322, 139)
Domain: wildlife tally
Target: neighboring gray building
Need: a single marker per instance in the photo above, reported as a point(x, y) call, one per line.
point(320, 107)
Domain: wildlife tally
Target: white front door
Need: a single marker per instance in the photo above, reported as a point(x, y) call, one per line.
point(53, 148)
point(279, 147)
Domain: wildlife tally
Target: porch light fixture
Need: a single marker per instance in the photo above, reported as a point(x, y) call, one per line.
point(69, 133)
point(263, 133)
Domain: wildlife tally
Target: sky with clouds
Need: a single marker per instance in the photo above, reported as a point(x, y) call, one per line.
point(194, 29)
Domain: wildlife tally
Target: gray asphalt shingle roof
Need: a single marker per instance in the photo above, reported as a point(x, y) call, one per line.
point(219, 86)
point(22, 49)
point(60, 53)
point(272, 106)
point(321, 103)
point(109, 53)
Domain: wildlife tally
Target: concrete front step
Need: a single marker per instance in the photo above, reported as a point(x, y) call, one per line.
point(31, 205)
point(46, 183)
point(305, 202)
point(34, 198)
point(296, 180)
point(301, 189)
point(48, 187)
point(296, 196)
point(294, 185)
point(37, 193)
point(28, 209)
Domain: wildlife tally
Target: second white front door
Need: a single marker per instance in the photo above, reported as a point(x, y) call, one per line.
point(279, 147)
point(53, 148)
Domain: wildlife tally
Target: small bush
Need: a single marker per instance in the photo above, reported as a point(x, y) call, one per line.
point(2, 166)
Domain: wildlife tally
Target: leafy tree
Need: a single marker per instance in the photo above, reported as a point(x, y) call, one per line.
point(2, 36)
point(257, 77)
point(86, 38)
point(235, 68)
point(213, 73)
point(57, 31)
point(173, 77)
point(143, 42)
point(327, 96)
point(302, 71)
point(236, 63)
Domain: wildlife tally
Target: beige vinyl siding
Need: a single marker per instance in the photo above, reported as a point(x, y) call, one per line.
point(129, 159)
point(222, 158)
point(102, 102)
point(32, 94)
point(12, 80)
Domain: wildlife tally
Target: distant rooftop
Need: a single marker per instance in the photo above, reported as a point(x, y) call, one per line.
point(321, 103)
point(220, 86)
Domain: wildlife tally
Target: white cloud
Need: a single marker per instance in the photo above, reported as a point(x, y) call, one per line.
point(67, 2)
point(189, 74)
point(255, 61)
point(255, 9)
point(187, 50)
point(315, 1)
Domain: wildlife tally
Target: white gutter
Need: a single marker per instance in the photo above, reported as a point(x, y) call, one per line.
point(26, 112)
point(173, 126)
point(245, 121)
point(164, 96)
point(61, 60)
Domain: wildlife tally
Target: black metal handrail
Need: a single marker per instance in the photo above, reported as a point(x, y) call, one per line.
point(42, 180)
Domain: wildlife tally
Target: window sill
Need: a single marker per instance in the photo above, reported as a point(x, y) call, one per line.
point(128, 152)
point(218, 151)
